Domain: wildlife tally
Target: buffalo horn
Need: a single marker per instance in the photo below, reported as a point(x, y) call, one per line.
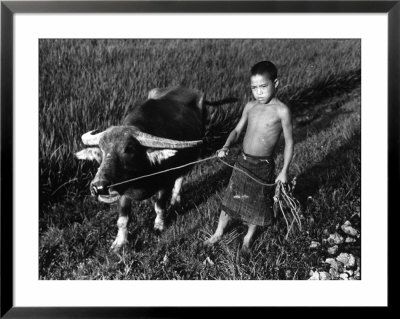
point(91, 139)
point(160, 142)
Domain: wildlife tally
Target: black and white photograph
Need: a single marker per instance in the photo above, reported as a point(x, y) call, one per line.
point(165, 158)
point(200, 159)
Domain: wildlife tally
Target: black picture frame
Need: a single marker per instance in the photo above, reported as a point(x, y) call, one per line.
point(9, 8)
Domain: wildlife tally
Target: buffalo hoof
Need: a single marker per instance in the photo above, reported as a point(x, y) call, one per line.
point(159, 226)
point(118, 244)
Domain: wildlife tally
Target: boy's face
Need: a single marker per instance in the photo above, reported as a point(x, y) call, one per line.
point(263, 88)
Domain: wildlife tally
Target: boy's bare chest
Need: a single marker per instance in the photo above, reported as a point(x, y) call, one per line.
point(263, 115)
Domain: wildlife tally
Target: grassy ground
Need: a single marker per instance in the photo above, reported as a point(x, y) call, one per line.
point(87, 84)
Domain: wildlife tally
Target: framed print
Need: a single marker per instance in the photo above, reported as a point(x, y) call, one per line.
point(165, 155)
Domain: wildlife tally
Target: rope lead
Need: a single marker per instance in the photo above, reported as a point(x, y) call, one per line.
point(188, 164)
point(161, 172)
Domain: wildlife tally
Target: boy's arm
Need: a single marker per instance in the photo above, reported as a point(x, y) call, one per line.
point(287, 127)
point(234, 135)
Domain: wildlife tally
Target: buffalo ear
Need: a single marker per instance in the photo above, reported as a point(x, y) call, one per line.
point(91, 153)
point(157, 156)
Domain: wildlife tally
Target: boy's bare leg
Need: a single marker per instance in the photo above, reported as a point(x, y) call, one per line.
point(224, 219)
point(248, 238)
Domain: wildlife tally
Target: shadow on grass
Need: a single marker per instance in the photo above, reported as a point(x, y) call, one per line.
point(317, 125)
point(331, 171)
point(330, 87)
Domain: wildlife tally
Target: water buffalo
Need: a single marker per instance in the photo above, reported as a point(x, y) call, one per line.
point(165, 131)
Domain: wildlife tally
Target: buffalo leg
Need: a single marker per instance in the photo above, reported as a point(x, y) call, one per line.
point(122, 223)
point(160, 208)
point(176, 191)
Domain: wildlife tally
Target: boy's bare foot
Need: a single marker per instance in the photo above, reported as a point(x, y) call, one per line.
point(248, 239)
point(212, 240)
point(223, 222)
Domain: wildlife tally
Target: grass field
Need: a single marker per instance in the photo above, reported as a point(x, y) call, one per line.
point(88, 84)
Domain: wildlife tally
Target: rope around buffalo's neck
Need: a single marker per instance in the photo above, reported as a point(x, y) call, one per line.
point(188, 164)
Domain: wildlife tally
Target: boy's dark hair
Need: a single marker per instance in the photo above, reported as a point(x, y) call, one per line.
point(265, 67)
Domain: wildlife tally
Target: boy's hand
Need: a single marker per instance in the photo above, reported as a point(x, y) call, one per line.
point(282, 177)
point(221, 153)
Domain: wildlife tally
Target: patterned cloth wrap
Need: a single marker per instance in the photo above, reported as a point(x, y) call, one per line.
point(245, 198)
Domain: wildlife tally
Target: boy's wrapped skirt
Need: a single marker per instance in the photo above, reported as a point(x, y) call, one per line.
point(247, 199)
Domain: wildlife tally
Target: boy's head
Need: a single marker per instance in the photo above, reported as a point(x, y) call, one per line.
point(264, 81)
point(265, 68)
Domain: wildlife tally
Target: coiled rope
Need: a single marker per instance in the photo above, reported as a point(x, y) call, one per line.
point(284, 201)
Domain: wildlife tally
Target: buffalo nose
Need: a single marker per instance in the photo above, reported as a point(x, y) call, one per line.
point(98, 189)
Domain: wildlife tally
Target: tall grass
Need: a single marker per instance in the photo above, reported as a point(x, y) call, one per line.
point(87, 84)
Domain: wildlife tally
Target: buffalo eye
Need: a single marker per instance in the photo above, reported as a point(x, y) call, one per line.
point(129, 149)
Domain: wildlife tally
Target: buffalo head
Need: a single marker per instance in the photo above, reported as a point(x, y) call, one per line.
point(124, 152)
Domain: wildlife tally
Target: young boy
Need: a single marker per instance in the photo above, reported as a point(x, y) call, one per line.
point(266, 117)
